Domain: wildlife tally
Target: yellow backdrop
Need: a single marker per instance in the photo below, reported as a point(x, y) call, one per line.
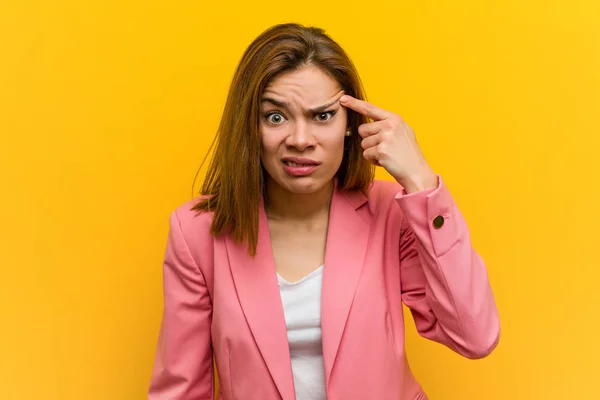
point(107, 107)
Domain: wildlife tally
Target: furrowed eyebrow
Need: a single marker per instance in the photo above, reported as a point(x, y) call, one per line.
point(320, 109)
point(316, 110)
point(275, 102)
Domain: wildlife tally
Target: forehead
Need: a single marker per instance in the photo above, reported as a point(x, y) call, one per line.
point(310, 83)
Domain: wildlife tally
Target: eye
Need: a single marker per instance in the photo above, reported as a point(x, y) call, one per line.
point(275, 118)
point(325, 116)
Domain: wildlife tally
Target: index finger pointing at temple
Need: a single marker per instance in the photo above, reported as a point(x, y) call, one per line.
point(364, 108)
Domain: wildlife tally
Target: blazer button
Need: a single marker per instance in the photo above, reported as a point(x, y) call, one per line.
point(438, 222)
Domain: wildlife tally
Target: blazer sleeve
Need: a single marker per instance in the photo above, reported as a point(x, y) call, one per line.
point(444, 281)
point(183, 368)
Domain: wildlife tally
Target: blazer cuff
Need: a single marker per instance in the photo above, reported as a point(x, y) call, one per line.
point(433, 216)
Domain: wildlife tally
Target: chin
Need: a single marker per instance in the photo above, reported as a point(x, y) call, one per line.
point(303, 185)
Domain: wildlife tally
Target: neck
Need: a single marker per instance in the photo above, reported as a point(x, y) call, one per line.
point(283, 204)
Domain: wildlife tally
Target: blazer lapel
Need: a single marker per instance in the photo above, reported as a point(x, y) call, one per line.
point(255, 280)
point(347, 240)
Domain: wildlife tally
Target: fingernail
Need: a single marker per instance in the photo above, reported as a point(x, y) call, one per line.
point(344, 98)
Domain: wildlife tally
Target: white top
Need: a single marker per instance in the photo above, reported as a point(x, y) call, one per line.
point(302, 309)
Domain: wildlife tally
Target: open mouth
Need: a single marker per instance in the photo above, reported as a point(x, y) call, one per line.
point(298, 166)
point(294, 164)
point(299, 162)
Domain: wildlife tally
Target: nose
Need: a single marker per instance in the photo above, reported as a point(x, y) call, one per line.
point(300, 137)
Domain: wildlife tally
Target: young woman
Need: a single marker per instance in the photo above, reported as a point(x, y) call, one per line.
point(291, 269)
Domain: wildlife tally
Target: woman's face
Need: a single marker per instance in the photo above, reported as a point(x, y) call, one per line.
point(302, 127)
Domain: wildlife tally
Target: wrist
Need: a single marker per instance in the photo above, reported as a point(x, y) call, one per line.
point(424, 181)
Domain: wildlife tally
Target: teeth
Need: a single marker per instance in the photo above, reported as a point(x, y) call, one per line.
point(293, 164)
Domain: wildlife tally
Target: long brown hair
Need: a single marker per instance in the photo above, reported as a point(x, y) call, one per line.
point(235, 180)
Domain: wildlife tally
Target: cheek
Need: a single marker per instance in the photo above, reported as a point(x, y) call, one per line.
point(334, 143)
point(268, 142)
point(269, 147)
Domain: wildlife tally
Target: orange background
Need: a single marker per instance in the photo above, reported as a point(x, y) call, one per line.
point(107, 108)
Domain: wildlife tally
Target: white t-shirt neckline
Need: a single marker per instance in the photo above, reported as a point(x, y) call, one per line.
point(316, 272)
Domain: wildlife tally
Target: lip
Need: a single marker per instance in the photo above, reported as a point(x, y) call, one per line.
point(307, 166)
point(301, 160)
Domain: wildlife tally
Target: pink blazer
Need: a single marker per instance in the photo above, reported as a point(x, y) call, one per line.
point(383, 250)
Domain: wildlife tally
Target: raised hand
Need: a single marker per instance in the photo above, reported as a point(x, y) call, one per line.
point(390, 143)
